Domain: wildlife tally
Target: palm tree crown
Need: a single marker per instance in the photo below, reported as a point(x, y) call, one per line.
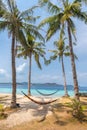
point(33, 48)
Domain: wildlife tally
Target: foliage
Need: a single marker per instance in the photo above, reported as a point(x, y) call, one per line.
point(2, 113)
point(32, 48)
point(1, 108)
point(77, 109)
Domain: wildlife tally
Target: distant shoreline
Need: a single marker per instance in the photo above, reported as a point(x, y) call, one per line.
point(45, 84)
point(36, 83)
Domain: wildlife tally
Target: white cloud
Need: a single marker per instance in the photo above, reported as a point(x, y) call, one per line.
point(4, 76)
point(21, 68)
point(47, 78)
point(2, 71)
point(82, 75)
point(81, 47)
point(82, 78)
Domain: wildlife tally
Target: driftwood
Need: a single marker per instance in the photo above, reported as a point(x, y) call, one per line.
point(43, 94)
point(39, 102)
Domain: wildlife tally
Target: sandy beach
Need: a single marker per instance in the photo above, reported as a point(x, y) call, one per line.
point(30, 111)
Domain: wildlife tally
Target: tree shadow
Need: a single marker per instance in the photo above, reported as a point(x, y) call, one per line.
point(37, 110)
point(5, 100)
point(59, 107)
point(59, 120)
point(61, 123)
point(41, 110)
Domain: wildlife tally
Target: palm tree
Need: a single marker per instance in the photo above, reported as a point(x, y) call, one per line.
point(73, 9)
point(64, 16)
point(61, 51)
point(1, 8)
point(35, 49)
point(14, 21)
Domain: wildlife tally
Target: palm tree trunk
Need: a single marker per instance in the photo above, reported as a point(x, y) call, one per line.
point(13, 100)
point(64, 77)
point(63, 1)
point(76, 88)
point(29, 75)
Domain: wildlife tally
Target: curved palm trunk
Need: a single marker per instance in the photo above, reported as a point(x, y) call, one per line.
point(13, 100)
point(29, 75)
point(64, 77)
point(76, 88)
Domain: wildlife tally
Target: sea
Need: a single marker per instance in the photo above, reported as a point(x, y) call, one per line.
point(47, 88)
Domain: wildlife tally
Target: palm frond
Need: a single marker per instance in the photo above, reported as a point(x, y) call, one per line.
point(54, 51)
point(37, 60)
point(22, 54)
point(2, 8)
point(11, 5)
point(53, 24)
point(67, 54)
point(28, 12)
point(65, 17)
point(53, 8)
point(67, 48)
point(80, 15)
point(21, 38)
point(47, 62)
point(75, 57)
point(3, 25)
point(52, 29)
point(83, 1)
point(47, 21)
point(39, 44)
point(72, 27)
point(31, 19)
point(76, 4)
point(34, 31)
point(40, 51)
point(74, 43)
point(54, 57)
point(43, 2)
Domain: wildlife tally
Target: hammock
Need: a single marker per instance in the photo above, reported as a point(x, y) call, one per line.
point(39, 102)
point(46, 94)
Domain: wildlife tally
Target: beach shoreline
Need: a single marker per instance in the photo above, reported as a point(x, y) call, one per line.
point(28, 110)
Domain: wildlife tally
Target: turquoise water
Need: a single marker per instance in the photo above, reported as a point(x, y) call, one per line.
point(44, 88)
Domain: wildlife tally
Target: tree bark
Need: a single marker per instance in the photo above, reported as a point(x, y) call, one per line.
point(29, 75)
point(64, 77)
point(13, 100)
point(76, 88)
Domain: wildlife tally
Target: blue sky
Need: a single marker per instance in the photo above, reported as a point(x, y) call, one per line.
point(53, 72)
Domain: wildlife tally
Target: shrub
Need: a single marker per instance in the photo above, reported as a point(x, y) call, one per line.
point(1, 108)
point(77, 109)
point(2, 113)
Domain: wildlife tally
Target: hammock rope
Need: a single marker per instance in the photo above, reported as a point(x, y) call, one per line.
point(43, 94)
point(39, 102)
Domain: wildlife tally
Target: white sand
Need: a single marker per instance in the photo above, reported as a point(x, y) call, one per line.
point(28, 111)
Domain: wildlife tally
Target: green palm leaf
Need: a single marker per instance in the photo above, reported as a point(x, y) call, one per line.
point(37, 60)
point(3, 25)
point(34, 31)
point(28, 12)
point(53, 8)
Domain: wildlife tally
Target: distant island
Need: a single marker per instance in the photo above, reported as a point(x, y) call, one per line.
point(45, 84)
point(22, 83)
